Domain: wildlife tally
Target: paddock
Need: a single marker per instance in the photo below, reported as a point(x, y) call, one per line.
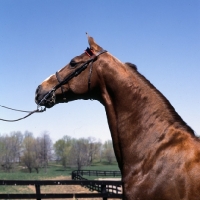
point(102, 189)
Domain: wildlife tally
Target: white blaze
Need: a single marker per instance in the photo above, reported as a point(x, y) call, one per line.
point(48, 77)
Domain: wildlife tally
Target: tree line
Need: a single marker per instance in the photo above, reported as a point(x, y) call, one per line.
point(34, 153)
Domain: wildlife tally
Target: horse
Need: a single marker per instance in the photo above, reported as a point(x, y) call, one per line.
point(157, 152)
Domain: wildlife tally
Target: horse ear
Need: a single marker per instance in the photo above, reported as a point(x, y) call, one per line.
point(93, 45)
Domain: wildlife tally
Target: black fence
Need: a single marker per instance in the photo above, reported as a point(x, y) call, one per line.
point(95, 173)
point(113, 188)
point(103, 189)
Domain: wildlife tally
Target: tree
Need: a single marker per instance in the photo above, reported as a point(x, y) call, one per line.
point(36, 149)
point(79, 153)
point(94, 148)
point(7, 156)
point(62, 149)
point(10, 149)
point(29, 155)
point(17, 140)
point(108, 151)
point(45, 149)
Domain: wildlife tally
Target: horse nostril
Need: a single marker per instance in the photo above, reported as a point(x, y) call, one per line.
point(38, 88)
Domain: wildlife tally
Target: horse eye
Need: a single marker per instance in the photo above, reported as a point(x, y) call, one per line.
point(73, 63)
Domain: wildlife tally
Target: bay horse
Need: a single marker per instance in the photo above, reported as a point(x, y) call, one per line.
point(157, 152)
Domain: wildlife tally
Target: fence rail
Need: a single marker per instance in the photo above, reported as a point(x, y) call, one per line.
point(111, 188)
point(95, 173)
point(104, 193)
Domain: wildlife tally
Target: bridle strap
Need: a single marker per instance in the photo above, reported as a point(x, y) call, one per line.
point(61, 87)
point(75, 73)
point(89, 76)
point(78, 70)
point(90, 53)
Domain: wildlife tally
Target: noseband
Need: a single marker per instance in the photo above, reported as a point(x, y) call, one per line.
point(50, 96)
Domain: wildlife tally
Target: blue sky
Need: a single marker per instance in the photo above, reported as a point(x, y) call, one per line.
point(37, 38)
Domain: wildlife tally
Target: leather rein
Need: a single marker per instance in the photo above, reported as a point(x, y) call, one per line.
point(51, 93)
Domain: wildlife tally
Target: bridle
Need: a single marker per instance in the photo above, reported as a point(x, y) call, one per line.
point(50, 96)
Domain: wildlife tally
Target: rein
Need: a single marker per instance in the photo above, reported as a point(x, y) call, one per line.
point(29, 113)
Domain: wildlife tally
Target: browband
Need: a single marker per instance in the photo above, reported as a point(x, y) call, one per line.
point(89, 52)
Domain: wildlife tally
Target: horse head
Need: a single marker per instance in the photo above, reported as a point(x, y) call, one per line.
point(77, 80)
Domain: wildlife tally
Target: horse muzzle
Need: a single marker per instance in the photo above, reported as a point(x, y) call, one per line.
point(47, 99)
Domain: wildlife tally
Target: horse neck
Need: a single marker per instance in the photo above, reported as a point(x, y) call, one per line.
point(138, 114)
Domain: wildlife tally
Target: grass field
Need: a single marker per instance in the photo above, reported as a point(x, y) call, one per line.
point(54, 172)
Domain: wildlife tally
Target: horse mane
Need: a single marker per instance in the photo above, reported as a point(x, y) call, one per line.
point(168, 105)
point(133, 66)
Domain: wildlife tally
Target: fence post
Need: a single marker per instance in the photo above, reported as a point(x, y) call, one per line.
point(103, 190)
point(37, 188)
point(73, 175)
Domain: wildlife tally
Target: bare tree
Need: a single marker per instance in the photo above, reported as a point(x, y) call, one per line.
point(7, 157)
point(37, 150)
point(94, 147)
point(45, 149)
point(29, 157)
point(79, 153)
point(10, 149)
point(17, 140)
point(108, 151)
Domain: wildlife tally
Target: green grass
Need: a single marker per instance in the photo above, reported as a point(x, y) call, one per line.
point(103, 166)
point(23, 174)
point(53, 170)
